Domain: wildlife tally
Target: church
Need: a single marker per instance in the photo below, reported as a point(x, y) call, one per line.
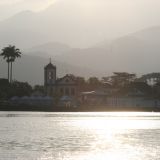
point(65, 86)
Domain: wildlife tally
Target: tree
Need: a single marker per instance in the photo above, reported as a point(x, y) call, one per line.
point(15, 53)
point(150, 78)
point(6, 55)
point(4, 89)
point(121, 79)
point(94, 83)
point(80, 80)
point(81, 84)
point(10, 53)
point(39, 88)
point(20, 89)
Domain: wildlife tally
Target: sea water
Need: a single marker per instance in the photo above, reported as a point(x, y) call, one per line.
point(79, 136)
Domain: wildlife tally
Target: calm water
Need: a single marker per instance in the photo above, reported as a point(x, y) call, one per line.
point(79, 136)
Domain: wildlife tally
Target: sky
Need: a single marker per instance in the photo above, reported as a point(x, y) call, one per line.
point(30, 4)
point(10, 7)
point(145, 8)
point(111, 18)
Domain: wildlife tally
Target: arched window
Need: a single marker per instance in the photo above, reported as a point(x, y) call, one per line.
point(50, 75)
point(66, 91)
point(61, 91)
point(72, 91)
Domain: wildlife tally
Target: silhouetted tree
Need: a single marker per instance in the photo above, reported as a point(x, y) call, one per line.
point(39, 88)
point(139, 86)
point(81, 84)
point(120, 79)
point(10, 53)
point(94, 82)
point(4, 88)
point(6, 55)
point(80, 80)
point(8, 90)
point(20, 89)
point(156, 90)
point(150, 78)
point(15, 53)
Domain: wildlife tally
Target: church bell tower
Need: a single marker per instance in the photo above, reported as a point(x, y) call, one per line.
point(50, 78)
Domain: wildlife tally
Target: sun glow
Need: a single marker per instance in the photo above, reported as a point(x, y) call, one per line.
point(120, 121)
point(43, 5)
point(36, 5)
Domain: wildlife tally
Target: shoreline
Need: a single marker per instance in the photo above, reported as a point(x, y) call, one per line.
point(79, 109)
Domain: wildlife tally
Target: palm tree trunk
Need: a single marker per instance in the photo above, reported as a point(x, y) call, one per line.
point(11, 74)
point(8, 71)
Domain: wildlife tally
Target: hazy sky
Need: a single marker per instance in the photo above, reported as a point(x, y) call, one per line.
point(84, 23)
point(105, 18)
point(148, 10)
point(30, 4)
point(11, 7)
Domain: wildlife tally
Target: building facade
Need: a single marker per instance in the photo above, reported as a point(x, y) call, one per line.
point(65, 86)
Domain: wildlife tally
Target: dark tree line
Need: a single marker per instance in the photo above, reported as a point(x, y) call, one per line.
point(20, 89)
point(124, 83)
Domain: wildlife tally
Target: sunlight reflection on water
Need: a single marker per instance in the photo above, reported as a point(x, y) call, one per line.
point(79, 136)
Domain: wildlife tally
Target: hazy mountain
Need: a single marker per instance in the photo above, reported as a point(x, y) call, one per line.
point(48, 49)
point(79, 23)
point(31, 69)
point(61, 24)
point(137, 52)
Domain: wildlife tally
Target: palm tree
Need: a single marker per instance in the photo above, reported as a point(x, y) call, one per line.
point(10, 53)
point(6, 55)
point(15, 53)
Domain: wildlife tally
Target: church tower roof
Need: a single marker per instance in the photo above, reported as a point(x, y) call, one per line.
point(50, 66)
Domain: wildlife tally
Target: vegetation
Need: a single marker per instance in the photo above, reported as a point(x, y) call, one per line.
point(124, 83)
point(10, 53)
point(8, 90)
point(39, 88)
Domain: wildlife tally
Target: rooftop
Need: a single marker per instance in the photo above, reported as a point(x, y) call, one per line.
point(50, 66)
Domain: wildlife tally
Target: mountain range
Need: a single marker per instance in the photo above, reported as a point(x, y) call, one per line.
point(79, 23)
point(135, 53)
point(41, 36)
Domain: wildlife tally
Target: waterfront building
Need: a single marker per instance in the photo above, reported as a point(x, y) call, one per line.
point(65, 86)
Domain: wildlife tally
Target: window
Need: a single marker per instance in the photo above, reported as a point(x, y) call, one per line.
point(72, 91)
point(50, 75)
point(66, 91)
point(61, 91)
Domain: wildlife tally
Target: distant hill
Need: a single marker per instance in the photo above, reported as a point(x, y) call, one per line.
point(31, 69)
point(137, 52)
point(61, 22)
point(48, 49)
point(79, 23)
